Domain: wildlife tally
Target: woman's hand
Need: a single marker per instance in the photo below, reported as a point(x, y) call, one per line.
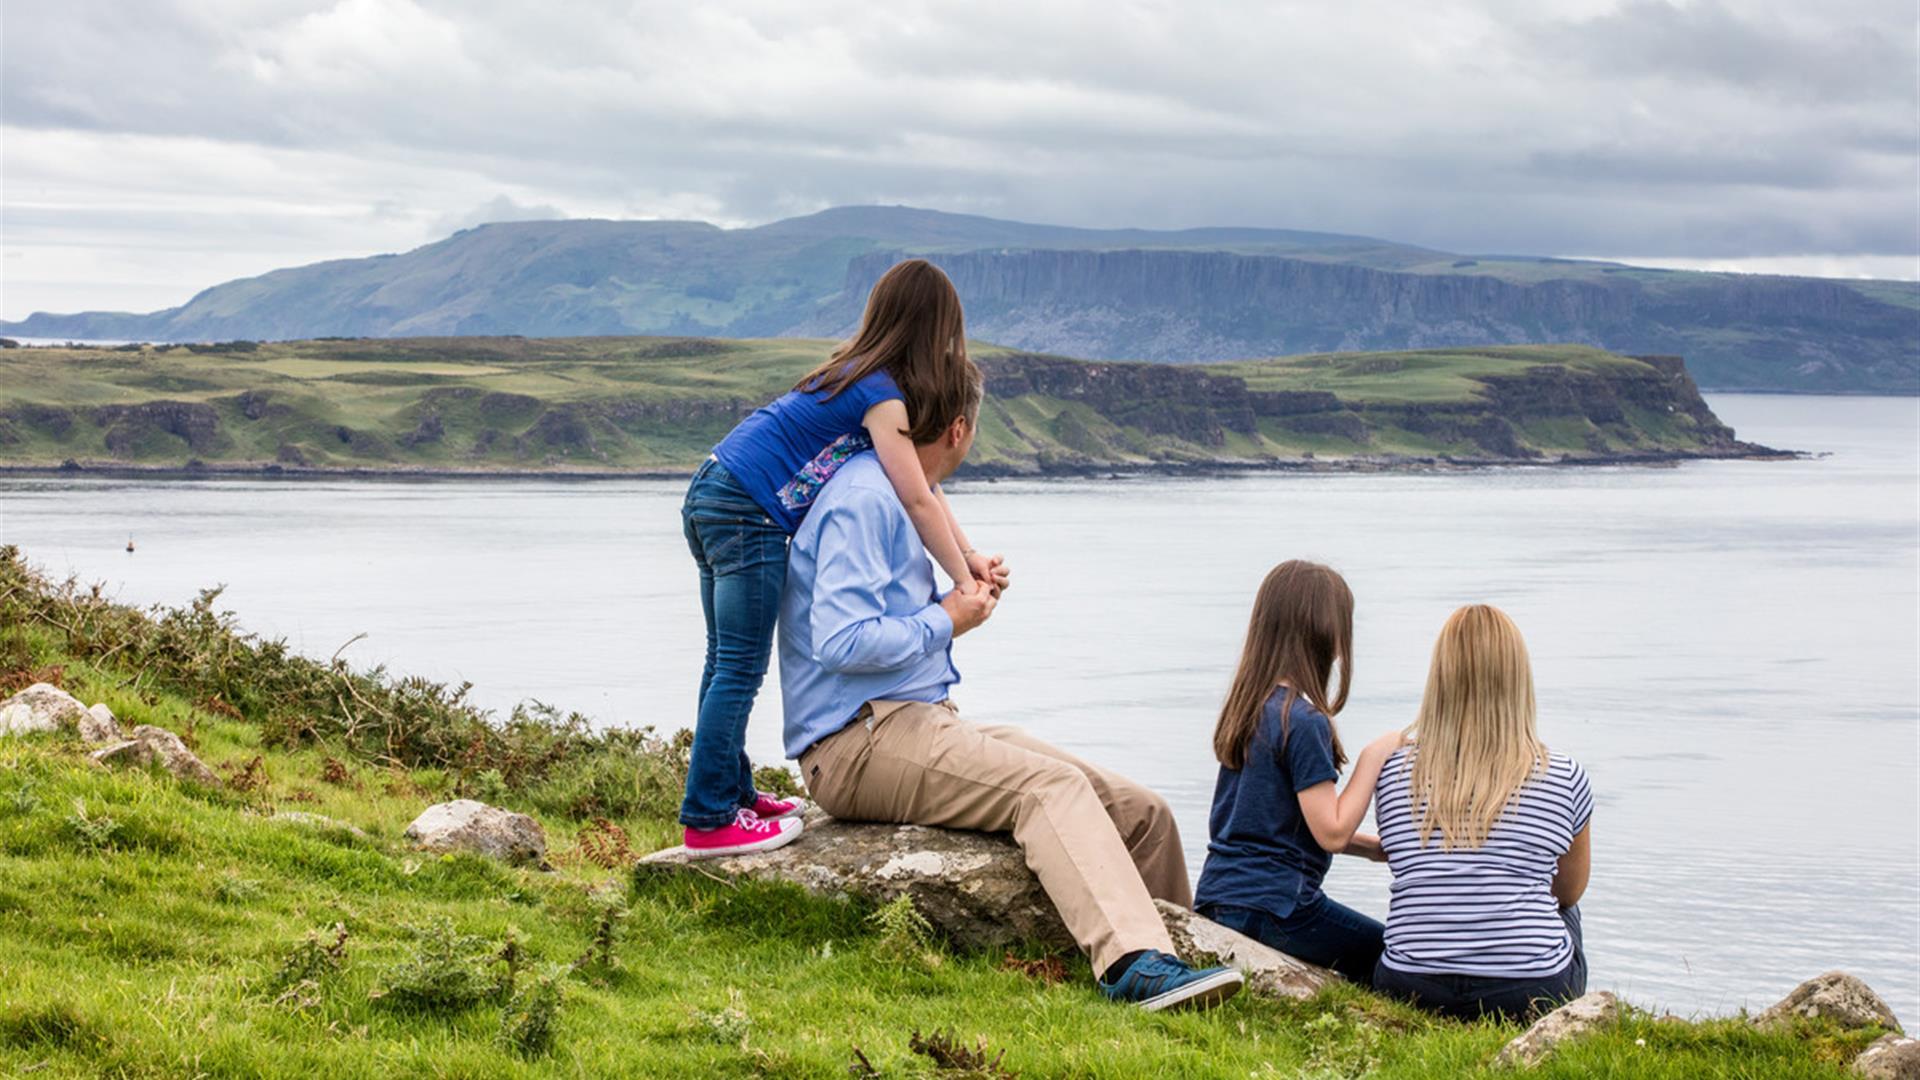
point(1366, 846)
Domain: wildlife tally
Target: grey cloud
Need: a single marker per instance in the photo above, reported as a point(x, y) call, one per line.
point(1832, 52)
point(499, 208)
point(1647, 128)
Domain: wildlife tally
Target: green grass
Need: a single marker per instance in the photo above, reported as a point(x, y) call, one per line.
point(1420, 376)
point(154, 929)
point(659, 404)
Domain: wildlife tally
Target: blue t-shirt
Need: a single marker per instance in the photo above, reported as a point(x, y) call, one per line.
point(769, 450)
point(1260, 852)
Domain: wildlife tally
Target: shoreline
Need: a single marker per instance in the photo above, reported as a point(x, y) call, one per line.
point(1398, 464)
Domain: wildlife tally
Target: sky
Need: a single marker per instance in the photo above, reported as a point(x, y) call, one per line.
point(151, 149)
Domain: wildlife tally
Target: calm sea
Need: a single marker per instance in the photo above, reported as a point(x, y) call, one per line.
point(1729, 647)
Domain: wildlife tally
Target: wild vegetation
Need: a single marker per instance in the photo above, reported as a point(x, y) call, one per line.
point(600, 405)
point(153, 928)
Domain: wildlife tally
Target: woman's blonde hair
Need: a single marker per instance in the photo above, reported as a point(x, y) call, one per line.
point(1476, 745)
point(1302, 623)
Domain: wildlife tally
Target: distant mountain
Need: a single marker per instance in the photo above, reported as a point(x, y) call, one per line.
point(1189, 295)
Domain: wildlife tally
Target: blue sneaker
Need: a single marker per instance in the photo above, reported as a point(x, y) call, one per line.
point(1157, 980)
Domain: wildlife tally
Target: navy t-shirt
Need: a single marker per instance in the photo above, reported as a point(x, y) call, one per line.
point(768, 450)
point(1260, 852)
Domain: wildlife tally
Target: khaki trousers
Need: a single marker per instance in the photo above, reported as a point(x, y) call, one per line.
point(1102, 846)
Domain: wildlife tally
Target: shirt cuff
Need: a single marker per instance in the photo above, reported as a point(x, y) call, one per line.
point(938, 623)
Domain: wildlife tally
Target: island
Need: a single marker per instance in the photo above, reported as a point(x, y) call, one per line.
point(624, 406)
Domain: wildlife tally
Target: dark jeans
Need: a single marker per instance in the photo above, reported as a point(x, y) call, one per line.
point(1323, 932)
point(1466, 997)
point(742, 556)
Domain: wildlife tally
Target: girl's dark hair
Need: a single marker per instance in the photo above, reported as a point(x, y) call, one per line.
point(914, 330)
point(1302, 622)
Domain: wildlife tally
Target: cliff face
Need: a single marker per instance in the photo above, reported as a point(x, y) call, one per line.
point(1738, 332)
point(1110, 294)
point(1651, 407)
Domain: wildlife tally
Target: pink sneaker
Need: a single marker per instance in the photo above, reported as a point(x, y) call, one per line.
point(747, 833)
point(767, 808)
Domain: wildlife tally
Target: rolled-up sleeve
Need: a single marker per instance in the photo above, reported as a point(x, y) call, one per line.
point(852, 632)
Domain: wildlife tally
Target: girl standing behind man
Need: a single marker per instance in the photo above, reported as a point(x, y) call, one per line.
point(902, 376)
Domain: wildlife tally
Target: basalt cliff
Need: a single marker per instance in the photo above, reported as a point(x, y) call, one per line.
point(1175, 297)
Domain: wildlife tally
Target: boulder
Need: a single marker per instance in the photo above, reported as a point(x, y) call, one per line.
point(467, 825)
point(40, 707)
point(1835, 996)
point(1269, 972)
point(1890, 1057)
point(99, 725)
point(1570, 1021)
point(152, 745)
point(975, 888)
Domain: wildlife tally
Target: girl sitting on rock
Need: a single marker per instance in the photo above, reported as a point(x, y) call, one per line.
point(1276, 812)
point(905, 370)
point(1486, 833)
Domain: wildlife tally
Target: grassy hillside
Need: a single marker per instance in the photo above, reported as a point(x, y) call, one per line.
point(636, 404)
point(150, 928)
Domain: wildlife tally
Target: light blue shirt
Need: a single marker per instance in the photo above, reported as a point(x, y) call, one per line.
point(860, 619)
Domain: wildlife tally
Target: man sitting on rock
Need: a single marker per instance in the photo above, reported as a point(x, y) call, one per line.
point(865, 666)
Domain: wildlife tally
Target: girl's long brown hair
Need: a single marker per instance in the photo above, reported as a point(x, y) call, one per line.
point(1302, 622)
point(915, 331)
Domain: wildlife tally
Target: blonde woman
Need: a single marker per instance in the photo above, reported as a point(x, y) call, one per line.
point(1486, 834)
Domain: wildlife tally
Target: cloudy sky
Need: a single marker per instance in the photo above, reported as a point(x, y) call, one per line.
point(154, 148)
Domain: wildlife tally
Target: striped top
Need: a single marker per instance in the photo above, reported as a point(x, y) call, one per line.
point(1489, 910)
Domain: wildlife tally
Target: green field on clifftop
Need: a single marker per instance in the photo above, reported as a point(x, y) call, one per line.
point(659, 404)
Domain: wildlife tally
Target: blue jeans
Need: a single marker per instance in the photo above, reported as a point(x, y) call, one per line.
point(742, 556)
point(1322, 932)
point(1468, 997)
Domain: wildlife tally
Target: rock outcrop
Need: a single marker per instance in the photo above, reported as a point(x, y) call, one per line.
point(1890, 1057)
point(40, 707)
point(976, 889)
point(1570, 1021)
point(99, 725)
point(467, 825)
point(1269, 972)
point(1835, 996)
point(157, 746)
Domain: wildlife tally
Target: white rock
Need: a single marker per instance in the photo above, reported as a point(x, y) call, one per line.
point(99, 725)
point(1890, 1057)
point(40, 707)
point(1836, 996)
point(1269, 972)
point(154, 744)
point(1570, 1021)
point(467, 825)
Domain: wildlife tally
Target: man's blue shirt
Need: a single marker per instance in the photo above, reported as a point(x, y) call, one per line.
point(860, 619)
